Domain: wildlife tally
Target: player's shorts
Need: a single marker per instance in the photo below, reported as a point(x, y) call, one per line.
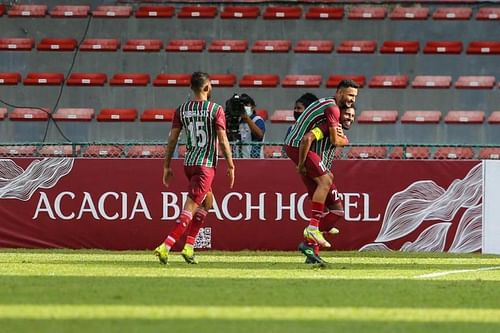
point(314, 166)
point(200, 182)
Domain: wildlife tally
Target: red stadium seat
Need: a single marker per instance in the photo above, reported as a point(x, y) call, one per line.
point(452, 13)
point(48, 79)
point(186, 45)
point(409, 13)
point(488, 13)
point(197, 12)
point(100, 44)
point(475, 82)
point(400, 46)
point(259, 80)
point(378, 116)
point(59, 150)
point(2, 9)
point(145, 11)
point(103, 151)
point(282, 12)
point(74, 114)
point(87, 79)
point(27, 10)
point(454, 153)
point(310, 81)
point(154, 151)
point(105, 11)
point(467, 117)
point(274, 152)
point(489, 153)
point(421, 117)
point(228, 45)
point(16, 44)
point(10, 78)
point(29, 114)
point(365, 12)
point(70, 11)
point(357, 46)
point(334, 80)
point(117, 115)
point(167, 79)
point(3, 113)
point(313, 46)
point(223, 80)
point(410, 153)
point(278, 45)
point(494, 117)
point(130, 79)
point(158, 115)
point(262, 113)
point(57, 44)
point(283, 116)
point(237, 12)
point(443, 47)
point(483, 47)
point(388, 81)
point(366, 152)
point(325, 13)
point(432, 81)
point(17, 150)
point(143, 45)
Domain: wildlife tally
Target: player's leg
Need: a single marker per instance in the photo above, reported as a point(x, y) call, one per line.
point(194, 228)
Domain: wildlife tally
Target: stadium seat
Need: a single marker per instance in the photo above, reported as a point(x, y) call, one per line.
point(483, 47)
point(57, 44)
point(2, 9)
point(59, 150)
point(143, 45)
point(282, 12)
point(310, 81)
point(27, 10)
point(29, 114)
point(105, 11)
point(259, 80)
point(100, 44)
point(443, 47)
point(410, 153)
point(167, 79)
point(117, 115)
point(469, 117)
point(87, 79)
point(10, 78)
point(74, 114)
point(357, 46)
point(366, 152)
point(494, 117)
point(453, 153)
point(409, 13)
point(366, 12)
point(185, 45)
point(223, 80)
point(18, 150)
point(240, 12)
point(130, 79)
point(103, 151)
point(400, 46)
point(488, 13)
point(262, 113)
point(197, 12)
point(475, 82)
point(378, 116)
point(489, 153)
point(158, 115)
point(274, 151)
point(432, 81)
point(421, 117)
point(228, 45)
point(49, 79)
point(154, 151)
point(278, 45)
point(325, 13)
point(334, 80)
point(452, 13)
point(388, 81)
point(3, 113)
point(70, 11)
point(283, 116)
point(314, 46)
point(16, 44)
point(145, 11)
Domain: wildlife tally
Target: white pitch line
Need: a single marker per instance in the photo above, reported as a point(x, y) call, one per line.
point(456, 271)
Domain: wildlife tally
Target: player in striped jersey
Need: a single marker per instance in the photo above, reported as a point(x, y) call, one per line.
point(204, 124)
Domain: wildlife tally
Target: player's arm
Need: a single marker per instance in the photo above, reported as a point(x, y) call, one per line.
point(226, 151)
point(336, 133)
point(315, 134)
point(169, 151)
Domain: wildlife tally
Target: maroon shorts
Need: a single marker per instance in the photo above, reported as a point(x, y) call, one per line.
point(200, 181)
point(313, 164)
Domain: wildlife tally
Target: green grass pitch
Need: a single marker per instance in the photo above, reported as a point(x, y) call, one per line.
point(103, 291)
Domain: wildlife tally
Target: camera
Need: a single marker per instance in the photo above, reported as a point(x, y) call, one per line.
point(235, 107)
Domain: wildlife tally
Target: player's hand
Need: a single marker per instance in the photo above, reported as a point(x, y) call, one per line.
point(301, 168)
point(230, 175)
point(167, 175)
point(340, 131)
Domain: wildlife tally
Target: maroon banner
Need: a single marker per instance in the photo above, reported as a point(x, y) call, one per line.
point(121, 204)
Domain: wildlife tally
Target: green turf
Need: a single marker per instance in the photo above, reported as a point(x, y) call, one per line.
point(98, 291)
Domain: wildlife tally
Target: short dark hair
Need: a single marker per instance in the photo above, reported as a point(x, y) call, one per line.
point(198, 80)
point(347, 84)
point(246, 99)
point(307, 99)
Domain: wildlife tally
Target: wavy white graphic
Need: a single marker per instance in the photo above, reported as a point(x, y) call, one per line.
point(470, 231)
point(375, 247)
point(16, 183)
point(432, 239)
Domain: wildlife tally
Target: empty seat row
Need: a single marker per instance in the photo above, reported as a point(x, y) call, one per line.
point(484, 47)
point(251, 12)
